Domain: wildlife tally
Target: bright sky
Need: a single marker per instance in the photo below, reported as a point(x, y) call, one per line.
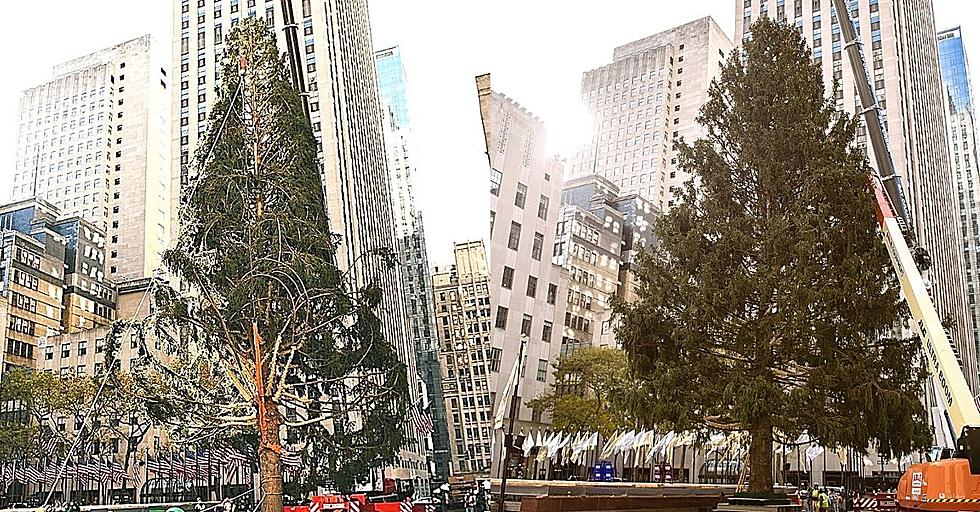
point(536, 51)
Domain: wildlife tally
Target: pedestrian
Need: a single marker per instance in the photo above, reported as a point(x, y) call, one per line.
point(815, 498)
point(824, 501)
point(849, 501)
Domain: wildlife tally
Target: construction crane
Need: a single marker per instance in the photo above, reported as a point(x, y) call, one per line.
point(952, 484)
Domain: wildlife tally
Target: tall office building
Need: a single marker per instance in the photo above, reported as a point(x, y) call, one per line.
point(648, 97)
point(963, 146)
point(338, 69)
point(588, 245)
point(899, 41)
point(413, 257)
point(52, 280)
point(462, 303)
point(599, 232)
point(95, 142)
point(525, 288)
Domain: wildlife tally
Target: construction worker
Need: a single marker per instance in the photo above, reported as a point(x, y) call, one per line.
point(824, 501)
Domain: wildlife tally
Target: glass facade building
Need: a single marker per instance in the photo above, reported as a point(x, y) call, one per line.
point(391, 84)
point(412, 256)
point(963, 150)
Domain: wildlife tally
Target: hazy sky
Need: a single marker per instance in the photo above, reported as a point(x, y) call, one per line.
point(536, 51)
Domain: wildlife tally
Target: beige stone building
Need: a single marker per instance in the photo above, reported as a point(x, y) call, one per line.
point(95, 142)
point(588, 246)
point(462, 307)
point(52, 279)
point(598, 237)
point(525, 186)
point(645, 99)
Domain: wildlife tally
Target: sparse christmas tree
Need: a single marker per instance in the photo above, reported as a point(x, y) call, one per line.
point(270, 345)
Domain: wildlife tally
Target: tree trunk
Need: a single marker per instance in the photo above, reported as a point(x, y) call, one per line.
point(270, 462)
point(760, 458)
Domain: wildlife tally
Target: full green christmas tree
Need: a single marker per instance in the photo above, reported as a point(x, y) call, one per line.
point(770, 305)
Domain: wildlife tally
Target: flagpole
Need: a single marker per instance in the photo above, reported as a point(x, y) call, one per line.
point(508, 438)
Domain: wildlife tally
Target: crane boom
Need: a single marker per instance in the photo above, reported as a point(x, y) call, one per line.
point(890, 179)
point(893, 218)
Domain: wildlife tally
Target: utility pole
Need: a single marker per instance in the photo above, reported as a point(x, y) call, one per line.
point(509, 436)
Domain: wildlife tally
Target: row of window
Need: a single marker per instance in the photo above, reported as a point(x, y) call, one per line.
point(526, 321)
point(20, 349)
point(23, 302)
point(28, 257)
point(22, 325)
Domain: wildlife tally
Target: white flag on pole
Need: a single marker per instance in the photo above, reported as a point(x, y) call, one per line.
point(504, 404)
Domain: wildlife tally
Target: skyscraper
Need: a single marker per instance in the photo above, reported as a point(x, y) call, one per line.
point(525, 288)
point(899, 41)
point(599, 232)
point(963, 147)
point(462, 303)
point(412, 254)
point(337, 65)
point(52, 280)
point(95, 142)
point(588, 245)
point(648, 97)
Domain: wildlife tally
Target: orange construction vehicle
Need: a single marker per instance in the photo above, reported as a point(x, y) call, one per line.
point(952, 484)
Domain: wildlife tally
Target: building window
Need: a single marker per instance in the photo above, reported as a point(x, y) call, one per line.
point(543, 207)
point(507, 279)
point(495, 177)
point(514, 238)
point(82, 348)
point(546, 331)
point(536, 246)
point(494, 362)
point(542, 370)
point(521, 197)
point(532, 286)
point(526, 325)
point(552, 292)
point(501, 322)
point(65, 350)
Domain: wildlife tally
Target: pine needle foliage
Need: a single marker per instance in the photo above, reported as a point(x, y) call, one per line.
point(259, 282)
point(770, 306)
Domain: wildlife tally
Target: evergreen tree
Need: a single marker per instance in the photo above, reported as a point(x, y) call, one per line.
point(770, 306)
point(272, 337)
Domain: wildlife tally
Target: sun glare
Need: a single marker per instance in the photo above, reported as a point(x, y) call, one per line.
point(570, 131)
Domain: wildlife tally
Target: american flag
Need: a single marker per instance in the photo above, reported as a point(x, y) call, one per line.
point(32, 474)
point(137, 475)
point(50, 444)
point(154, 464)
point(105, 471)
point(420, 418)
point(6, 474)
point(50, 475)
point(291, 460)
point(89, 470)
